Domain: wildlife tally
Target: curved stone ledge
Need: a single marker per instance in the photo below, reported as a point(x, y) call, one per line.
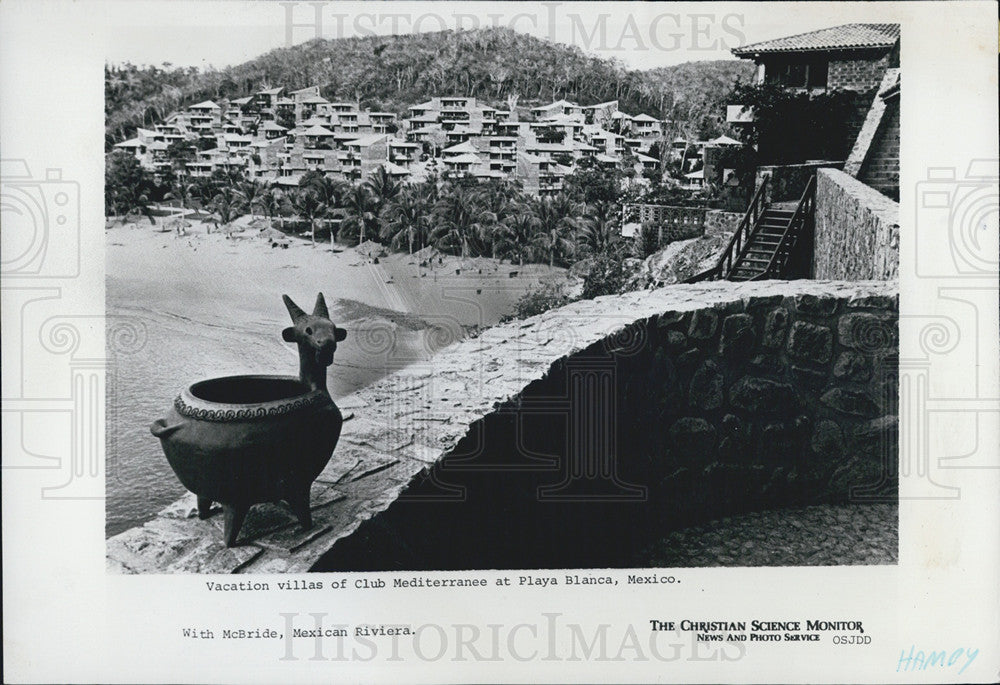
point(401, 426)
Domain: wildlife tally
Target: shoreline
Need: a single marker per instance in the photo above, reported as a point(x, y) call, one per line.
point(210, 306)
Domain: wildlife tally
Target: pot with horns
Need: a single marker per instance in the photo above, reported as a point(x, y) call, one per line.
point(243, 440)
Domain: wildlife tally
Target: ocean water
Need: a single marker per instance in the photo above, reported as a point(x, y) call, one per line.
point(174, 351)
point(204, 307)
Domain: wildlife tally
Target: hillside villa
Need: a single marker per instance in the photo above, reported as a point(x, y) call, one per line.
point(458, 135)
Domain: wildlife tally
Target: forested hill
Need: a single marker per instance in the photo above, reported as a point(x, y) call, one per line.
point(392, 72)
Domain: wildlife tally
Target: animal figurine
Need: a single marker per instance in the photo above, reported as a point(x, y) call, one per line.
point(244, 440)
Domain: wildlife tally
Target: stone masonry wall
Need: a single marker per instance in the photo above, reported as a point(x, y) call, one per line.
point(718, 221)
point(857, 230)
point(789, 180)
point(857, 72)
point(760, 401)
point(641, 412)
point(881, 167)
point(673, 223)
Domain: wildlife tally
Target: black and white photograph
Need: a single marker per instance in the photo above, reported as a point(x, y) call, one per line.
point(395, 341)
point(549, 311)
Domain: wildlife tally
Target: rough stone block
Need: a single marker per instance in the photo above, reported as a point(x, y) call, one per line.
point(877, 438)
point(668, 319)
point(686, 360)
point(212, 556)
point(809, 378)
point(186, 508)
point(676, 341)
point(764, 301)
point(828, 439)
point(815, 305)
point(738, 337)
point(763, 396)
point(290, 539)
point(703, 324)
point(810, 342)
point(852, 402)
point(768, 364)
point(868, 332)
point(775, 327)
point(852, 366)
point(692, 437)
point(706, 387)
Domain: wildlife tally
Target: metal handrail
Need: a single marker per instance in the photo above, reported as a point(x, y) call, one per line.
point(740, 237)
point(791, 233)
point(744, 230)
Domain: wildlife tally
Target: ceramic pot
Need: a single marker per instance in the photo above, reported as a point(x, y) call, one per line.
point(244, 440)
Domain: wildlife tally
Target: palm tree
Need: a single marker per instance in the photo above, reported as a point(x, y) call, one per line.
point(227, 205)
point(558, 218)
point(332, 194)
point(516, 236)
point(270, 203)
point(600, 228)
point(459, 218)
point(362, 213)
point(308, 205)
point(383, 186)
point(407, 221)
point(251, 191)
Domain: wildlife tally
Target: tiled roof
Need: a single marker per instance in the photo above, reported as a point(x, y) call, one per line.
point(461, 148)
point(368, 140)
point(464, 159)
point(317, 131)
point(844, 37)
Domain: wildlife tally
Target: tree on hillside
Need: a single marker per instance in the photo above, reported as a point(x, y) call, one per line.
point(383, 187)
point(407, 221)
point(558, 223)
point(271, 202)
point(515, 236)
point(251, 191)
point(362, 214)
point(127, 186)
point(226, 206)
point(308, 205)
point(332, 193)
point(601, 227)
point(458, 218)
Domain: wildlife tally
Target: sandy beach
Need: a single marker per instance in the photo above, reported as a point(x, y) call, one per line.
point(210, 305)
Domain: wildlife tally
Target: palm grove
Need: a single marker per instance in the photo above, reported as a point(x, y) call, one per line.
point(462, 217)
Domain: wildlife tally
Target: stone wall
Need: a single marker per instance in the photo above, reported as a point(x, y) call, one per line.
point(857, 230)
point(782, 398)
point(719, 221)
point(857, 72)
point(634, 414)
point(789, 180)
point(881, 167)
point(673, 223)
point(874, 159)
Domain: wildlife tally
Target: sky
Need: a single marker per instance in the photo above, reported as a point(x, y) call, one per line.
point(642, 35)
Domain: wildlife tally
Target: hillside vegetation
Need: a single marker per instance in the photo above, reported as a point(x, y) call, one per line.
point(393, 72)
